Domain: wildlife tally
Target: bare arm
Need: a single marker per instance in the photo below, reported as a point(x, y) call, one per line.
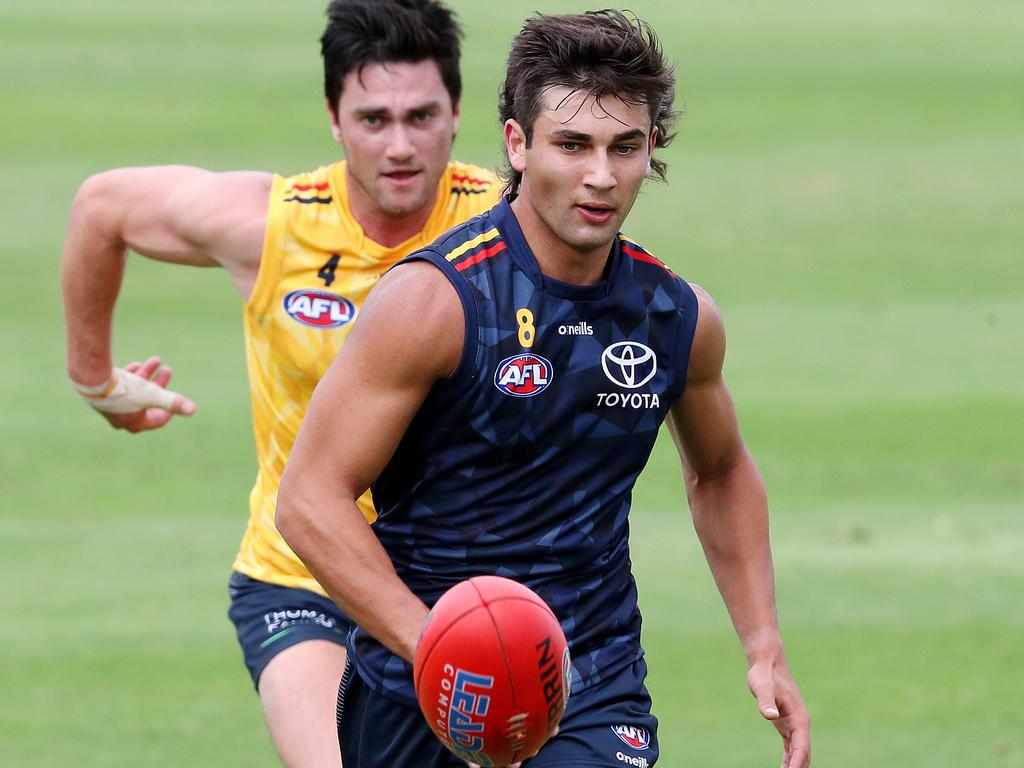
point(409, 335)
point(730, 513)
point(174, 214)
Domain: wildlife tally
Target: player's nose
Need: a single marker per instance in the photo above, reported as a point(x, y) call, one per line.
point(400, 146)
point(599, 173)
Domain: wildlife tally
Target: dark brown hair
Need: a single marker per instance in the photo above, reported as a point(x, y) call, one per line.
point(361, 32)
point(603, 53)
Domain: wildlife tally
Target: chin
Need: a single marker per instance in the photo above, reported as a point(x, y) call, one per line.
point(591, 239)
point(396, 207)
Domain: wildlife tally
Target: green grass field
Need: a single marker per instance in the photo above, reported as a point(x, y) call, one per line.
point(847, 183)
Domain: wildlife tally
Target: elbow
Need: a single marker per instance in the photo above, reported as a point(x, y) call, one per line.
point(723, 471)
point(97, 209)
point(292, 524)
point(288, 520)
point(288, 517)
point(95, 192)
point(727, 482)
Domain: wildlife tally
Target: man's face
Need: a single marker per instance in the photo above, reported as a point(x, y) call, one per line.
point(396, 123)
point(583, 170)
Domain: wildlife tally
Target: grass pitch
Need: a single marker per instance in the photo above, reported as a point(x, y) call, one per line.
point(846, 183)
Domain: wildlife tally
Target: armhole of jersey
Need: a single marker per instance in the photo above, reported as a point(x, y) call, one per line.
point(270, 258)
point(470, 346)
point(684, 339)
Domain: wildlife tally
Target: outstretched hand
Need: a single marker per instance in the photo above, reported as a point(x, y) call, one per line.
point(779, 700)
point(139, 400)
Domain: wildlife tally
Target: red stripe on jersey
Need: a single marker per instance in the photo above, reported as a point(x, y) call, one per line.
point(481, 256)
point(470, 179)
point(646, 257)
point(307, 187)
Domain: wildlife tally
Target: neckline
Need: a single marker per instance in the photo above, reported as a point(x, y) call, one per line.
point(522, 254)
point(339, 186)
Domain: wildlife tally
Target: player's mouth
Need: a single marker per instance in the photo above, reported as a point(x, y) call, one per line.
point(402, 177)
point(595, 212)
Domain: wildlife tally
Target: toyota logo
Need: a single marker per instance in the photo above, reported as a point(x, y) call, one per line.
point(629, 364)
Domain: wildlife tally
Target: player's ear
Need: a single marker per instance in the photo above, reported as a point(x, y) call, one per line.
point(652, 142)
point(515, 145)
point(332, 114)
point(456, 114)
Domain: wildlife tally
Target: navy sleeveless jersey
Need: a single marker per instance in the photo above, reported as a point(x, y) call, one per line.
point(522, 463)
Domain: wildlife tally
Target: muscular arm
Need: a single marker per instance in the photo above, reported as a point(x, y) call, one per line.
point(730, 513)
point(409, 335)
point(174, 214)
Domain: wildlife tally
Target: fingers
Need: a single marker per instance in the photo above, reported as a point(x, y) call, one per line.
point(798, 745)
point(160, 375)
point(137, 398)
point(182, 406)
point(154, 418)
point(163, 375)
point(762, 685)
point(148, 368)
point(171, 403)
point(779, 701)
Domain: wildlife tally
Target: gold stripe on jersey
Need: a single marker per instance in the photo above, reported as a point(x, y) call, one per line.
point(309, 228)
point(470, 244)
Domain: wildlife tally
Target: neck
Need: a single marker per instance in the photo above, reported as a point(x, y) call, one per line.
point(556, 258)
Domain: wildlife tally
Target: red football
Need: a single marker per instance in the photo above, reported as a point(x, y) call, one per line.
point(492, 671)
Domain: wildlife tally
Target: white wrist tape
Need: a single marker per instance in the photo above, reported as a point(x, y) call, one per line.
point(125, 392)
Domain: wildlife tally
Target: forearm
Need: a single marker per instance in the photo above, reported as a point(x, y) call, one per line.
point(730, 513)
point(92, 267)
point(332, 538)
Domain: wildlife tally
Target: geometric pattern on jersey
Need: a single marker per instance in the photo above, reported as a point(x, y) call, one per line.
point(318, 263)
point(536, 488)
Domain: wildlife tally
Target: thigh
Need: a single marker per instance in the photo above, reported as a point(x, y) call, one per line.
point(298, 690)
point(607, 726)
point(376, 732)
point(270, 619)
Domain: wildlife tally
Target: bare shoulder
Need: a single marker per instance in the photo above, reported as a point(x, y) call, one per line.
point(707, 355)
point(416, 316)
point(187, 186)
point(181, 213)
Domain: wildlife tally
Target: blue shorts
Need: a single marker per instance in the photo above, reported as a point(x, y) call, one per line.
point(269, 618)
point(608, 725)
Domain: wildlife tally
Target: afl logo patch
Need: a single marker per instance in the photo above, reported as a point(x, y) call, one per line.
point(319, 309)
point(637, 737)
point(523, 375)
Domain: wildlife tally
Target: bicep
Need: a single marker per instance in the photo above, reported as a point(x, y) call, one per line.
point(181, 214)
point(705, 429)
point(703, 420)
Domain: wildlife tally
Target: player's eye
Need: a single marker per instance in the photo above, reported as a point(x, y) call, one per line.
point(372, 121)
point(624, 149)
point(570, 146)
point(420, 118)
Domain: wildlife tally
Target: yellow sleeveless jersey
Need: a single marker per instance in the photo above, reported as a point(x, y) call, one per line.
point(317, 268)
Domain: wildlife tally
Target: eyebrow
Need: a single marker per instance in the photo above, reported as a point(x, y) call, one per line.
point(430, 106)
point(618, 138)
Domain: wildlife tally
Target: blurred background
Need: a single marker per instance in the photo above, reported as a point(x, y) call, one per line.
point(847, 183)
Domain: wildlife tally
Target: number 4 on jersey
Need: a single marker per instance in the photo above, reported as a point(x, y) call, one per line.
point(326, 272)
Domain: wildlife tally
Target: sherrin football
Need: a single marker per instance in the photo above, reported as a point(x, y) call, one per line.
point(492, 671)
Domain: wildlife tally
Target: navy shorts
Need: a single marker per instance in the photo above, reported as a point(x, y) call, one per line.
point(608, 725)
point(269, 618)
